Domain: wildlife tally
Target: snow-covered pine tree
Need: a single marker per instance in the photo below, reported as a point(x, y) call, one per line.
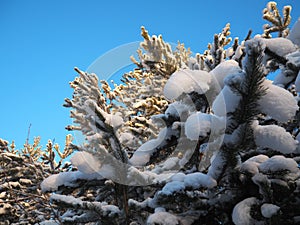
point(226, 149)
point(21, 173)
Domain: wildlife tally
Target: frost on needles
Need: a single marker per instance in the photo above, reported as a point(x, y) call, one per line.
point(187, 139)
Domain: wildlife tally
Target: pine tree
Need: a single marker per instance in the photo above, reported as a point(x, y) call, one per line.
point(21, 173)
point(187, 140)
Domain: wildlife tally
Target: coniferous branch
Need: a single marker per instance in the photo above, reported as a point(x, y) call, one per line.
point(279, 24)
point(178, 197)
point(21, 174)
point(96, 111)
point(250, 88)
point(93, 211)
point(215, 53)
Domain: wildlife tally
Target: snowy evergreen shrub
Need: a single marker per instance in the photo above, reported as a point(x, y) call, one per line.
point(21, 173)
point(187, 139)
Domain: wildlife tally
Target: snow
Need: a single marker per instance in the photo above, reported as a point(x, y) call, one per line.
point(251, 165)
point(162, 218)
point(258, 159)
point(279, 163)
point(193, 64)
point(294, 34)
point(172, 187)
point(148, 202)
point(229, 67)
point(201, 124)
point(48, 222)
point(136, 177)
point(239, 51)
point(251, 45)
point(178, 109)
point(280, 46)
point(170, 163)
point(198, 124)
point(197, 180)
point(297, 82)
point(298, 148)
point(180, 182)
point(261, 180)
point(115, 120)
point(241, 212)
point(269, 210)
point(142, 155)
point(187, 81)
point(127, 139)
point(294, 58)
point(234, 80)
point(278, 103)
point(178, 177)
point(207, 150)
point(217, 164)
point(101, 207)
point(52, 182)
point(274, 137)
point(85, 162)
point(67, 199)
point(281, 79)
point(227, 101)
point(229, 52)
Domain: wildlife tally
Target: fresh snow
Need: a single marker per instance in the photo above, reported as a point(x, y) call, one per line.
point(162, 218)
point(227, 101)
point(115, 120)
point(187, 81)
point(48, 222)
point(127, 138)
point(198, 124)
point(279, 163)
point(280, 46)
point(178, 177)
point(229, 67)
point(274, 137)
point(178, 109)
point(281, 79)
point(102, 207)
point(217, 165)
point(278, 103)
point(170, 163)
point(294, 34)
point(241, 212)
point(67, 199)
point(269, 210)
point(197, 180)
point(69, 179)
point(172, 187)
point(85, 162)
point(239, 51)
point(180, 182)
point(201, 124)
point(294, 58)
point(298, 148)
point(142, 155)
point(297, 82)
point(260, 180)
point(258, 159)
point(251, 165)
point(234, 80)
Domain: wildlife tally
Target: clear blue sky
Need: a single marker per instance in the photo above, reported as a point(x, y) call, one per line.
point(42, 41)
